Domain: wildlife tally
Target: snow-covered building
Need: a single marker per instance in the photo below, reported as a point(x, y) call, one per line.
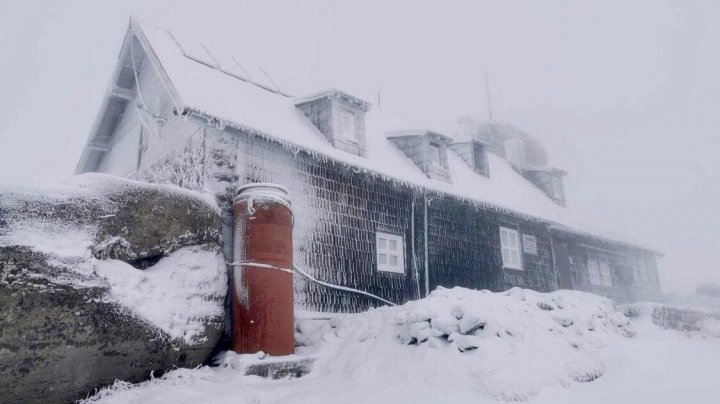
point(393, 211)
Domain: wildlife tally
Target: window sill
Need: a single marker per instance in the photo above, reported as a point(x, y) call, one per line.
point(391, 271)
point(513, 268)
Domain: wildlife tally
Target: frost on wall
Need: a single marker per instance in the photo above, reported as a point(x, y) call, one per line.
point(338, 211)
point(177, 157)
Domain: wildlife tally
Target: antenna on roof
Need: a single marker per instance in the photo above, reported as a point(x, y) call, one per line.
point(487, 93)
point(271, 80)
point(241, 68)
point(379, 104)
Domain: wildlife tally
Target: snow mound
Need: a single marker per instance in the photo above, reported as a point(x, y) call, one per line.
point(456, 345)
point(690, 321)
point(509, 345)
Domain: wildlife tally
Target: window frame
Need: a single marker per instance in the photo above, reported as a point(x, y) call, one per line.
point(431, 147)
point(515, 151)
point(389, 238)
point(603, 276)
point(640, 271)
point(517, 248)
point(351, 136)
point(557, 187)
point(526, 242)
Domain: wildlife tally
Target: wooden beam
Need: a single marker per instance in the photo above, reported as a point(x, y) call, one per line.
point(99, 146)
point(123, 93)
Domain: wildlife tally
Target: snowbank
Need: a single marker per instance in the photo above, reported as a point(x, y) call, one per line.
point(509, 345)
point(456, 345)
point(179, 294)
point(698, 322)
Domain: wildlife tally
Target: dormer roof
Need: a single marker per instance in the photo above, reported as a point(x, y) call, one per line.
point(419, 132)
point(334, 93)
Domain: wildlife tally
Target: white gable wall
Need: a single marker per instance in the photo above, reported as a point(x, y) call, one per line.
point(122, 159)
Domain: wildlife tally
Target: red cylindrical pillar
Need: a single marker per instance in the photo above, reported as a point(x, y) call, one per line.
point(263, 312)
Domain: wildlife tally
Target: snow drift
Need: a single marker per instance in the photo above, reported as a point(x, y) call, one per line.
point(456, 343)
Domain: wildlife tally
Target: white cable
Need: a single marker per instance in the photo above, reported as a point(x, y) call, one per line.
point(346, 289)
point(137, 82)
point(309, 277)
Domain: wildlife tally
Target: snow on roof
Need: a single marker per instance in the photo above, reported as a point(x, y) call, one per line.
point(209, 91)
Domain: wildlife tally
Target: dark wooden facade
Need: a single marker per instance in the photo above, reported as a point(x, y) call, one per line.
point(339, 209)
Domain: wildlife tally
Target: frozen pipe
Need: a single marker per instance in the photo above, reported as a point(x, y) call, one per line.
point(262, 287)
point(412, 247)
point(425, 236)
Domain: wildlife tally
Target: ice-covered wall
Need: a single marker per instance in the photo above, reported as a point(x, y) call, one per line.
point(623, 261)
point(338, 211)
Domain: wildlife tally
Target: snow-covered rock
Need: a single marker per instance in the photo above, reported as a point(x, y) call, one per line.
point(105, 279)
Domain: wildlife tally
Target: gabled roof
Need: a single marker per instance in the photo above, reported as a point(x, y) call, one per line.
point(207, 83)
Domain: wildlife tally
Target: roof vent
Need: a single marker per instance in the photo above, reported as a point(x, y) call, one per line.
point(340, 117)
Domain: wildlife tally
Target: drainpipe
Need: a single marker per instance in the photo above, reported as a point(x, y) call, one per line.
point(425, 235)
point(412, 246)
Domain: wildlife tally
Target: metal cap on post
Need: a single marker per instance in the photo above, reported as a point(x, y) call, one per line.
point(262, 309)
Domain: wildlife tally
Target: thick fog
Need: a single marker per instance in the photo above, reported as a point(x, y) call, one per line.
point(624, 94)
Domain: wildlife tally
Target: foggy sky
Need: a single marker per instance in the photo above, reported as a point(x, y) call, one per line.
point(624, 94)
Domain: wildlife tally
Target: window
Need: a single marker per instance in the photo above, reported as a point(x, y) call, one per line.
point(479, 158)
point(529, 244)
point(599, 272)
point(594, 272)
point(557, 188)
point(435, 154)
point(510, 246)
point(390, 252)
point(640, 273)
point(348, 126)
point(515, 151)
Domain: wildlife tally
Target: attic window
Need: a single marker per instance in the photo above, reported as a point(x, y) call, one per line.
point(348, 129)
point(515, 151)
point(557, 188)
point(435, 155)
point(480, 162)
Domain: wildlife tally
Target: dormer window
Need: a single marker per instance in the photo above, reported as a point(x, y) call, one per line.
point(548, 179)
point(348, 125)
point(557, 188)
point(473, 153)
point(340, 117)
point(427, 149)
point(515, 151)
point(435, 155)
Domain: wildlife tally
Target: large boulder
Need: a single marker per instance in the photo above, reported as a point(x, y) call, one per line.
point(105, 279)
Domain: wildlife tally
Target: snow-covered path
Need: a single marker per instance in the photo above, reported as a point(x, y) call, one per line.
point(657, 366)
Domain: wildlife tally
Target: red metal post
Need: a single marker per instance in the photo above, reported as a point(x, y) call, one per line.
point(262, 310)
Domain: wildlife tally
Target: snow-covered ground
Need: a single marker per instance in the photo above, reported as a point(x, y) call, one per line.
point(459, 346)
